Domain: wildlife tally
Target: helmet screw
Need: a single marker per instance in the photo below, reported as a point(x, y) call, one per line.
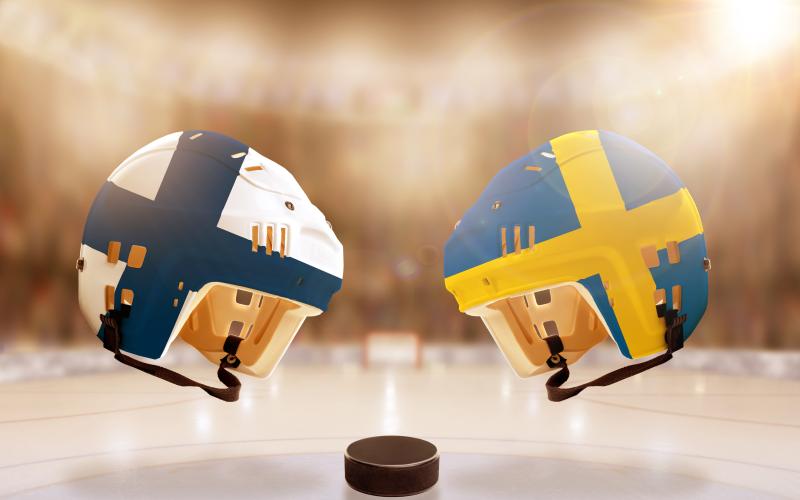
point(289, 205)
point(706, 264)
point(556, 359)
point(496, 205)
point(80, 264)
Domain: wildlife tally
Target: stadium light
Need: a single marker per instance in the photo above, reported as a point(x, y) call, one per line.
point(757, 28)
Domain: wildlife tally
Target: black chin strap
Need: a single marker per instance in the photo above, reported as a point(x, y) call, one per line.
point(111, 340)
point(673, 337)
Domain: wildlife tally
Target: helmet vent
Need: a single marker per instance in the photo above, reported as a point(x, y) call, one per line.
point(676, 297)
point(136, 256)
point(550, 328)
point(660, 296)
point(112, 254)
point(109, 296)
point(235, 328)
point(269, 239)
point(673, 252)
point(650, 256)
point(542, 297)
point(255, 236)
point(282, 243)
point(244, 297)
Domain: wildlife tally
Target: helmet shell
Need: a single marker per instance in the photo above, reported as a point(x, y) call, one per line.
point(200, 204)
point(592, 208)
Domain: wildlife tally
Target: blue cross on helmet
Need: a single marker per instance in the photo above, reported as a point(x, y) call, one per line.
point(198, 236)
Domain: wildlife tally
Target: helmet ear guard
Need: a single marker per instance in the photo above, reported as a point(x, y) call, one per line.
point(521, 324)
point(552, 328)
point(265, 323)
point(253, 342)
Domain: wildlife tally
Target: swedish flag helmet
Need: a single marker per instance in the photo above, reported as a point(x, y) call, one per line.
point(587, 236)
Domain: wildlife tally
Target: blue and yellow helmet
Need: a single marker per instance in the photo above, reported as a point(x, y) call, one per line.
point(588, 235)
point(197, 235)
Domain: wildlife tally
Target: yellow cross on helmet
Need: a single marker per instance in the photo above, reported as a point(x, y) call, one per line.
point(590, 235)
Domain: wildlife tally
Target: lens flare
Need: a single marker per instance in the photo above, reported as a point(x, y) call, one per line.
point(757, 28)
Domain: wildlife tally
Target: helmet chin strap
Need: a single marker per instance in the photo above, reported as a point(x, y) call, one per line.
point(112, 334)
point(674, 340)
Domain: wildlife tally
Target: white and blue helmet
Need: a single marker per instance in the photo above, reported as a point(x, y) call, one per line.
point(199, 236)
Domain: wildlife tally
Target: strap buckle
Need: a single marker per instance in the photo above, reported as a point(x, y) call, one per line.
point(231, 346)
point(110, 331)
point(111, 326)
point(556, 346)
point(673, 336)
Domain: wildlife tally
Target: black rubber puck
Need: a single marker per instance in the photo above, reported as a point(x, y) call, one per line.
point(391, 466)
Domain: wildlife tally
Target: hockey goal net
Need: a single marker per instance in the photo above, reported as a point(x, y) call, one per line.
point(392, 348)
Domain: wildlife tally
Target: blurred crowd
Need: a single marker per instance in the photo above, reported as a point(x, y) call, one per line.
point(394, 147)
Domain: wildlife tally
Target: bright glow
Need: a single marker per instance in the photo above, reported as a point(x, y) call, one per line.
point(700, 386)
point(274, 389)
point(758, 27)
point(505, 389)
point(394, 348)
point(577, 424)
point(391, 420)
point(534, 403)
point(390, 394)
point(202, 422)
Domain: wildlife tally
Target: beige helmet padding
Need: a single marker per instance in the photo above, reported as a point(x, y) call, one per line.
point(266, 323)
point(519, 324)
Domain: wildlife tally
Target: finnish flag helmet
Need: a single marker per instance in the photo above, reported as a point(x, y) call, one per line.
point(199, 236)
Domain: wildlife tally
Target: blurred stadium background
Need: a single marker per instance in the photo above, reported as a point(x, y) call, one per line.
point(393, 117)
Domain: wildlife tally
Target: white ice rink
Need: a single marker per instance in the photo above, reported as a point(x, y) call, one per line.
point(664, 434)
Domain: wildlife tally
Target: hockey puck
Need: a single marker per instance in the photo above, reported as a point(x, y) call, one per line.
point(391, 466)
